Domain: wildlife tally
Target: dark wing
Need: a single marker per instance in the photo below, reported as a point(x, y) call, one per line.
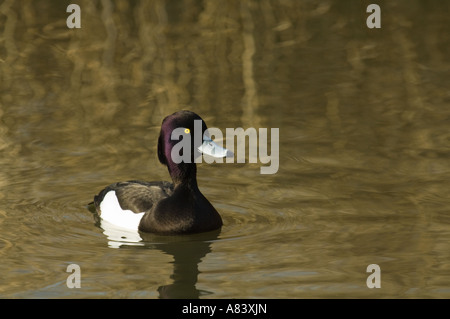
point(136, 196)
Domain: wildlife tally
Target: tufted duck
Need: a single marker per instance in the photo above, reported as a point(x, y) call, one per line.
point(164, 207)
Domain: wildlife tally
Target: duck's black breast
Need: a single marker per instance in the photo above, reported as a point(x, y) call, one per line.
point(185, 211)
point(137, 196)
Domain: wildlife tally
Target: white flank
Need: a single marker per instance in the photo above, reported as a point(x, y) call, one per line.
point(111, 211)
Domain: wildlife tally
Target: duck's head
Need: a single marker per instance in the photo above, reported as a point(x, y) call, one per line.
point(183, 138)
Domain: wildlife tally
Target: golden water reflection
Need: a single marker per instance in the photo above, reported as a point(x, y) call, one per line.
point(363, 115)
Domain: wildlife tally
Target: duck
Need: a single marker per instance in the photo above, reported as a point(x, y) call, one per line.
point(163, 207)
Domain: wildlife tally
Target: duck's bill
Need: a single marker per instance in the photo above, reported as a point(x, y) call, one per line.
point(210, 148)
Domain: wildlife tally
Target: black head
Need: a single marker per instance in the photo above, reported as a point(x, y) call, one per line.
point(183, 138)
point(183, 130)
point(180, 137)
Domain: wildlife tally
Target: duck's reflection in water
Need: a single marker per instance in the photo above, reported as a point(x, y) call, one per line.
point(187, 252)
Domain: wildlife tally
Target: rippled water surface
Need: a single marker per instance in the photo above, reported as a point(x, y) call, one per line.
point(364, 146)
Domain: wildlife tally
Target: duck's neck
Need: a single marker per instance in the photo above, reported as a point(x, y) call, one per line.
point(184, 174)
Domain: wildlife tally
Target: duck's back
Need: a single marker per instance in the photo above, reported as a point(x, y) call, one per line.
point(130, 200)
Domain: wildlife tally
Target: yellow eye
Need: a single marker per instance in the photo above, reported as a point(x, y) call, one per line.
point(187, 131)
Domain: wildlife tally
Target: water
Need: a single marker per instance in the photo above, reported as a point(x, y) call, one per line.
point(364, 173)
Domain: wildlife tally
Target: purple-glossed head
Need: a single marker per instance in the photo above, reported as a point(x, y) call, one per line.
point(183, 138)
